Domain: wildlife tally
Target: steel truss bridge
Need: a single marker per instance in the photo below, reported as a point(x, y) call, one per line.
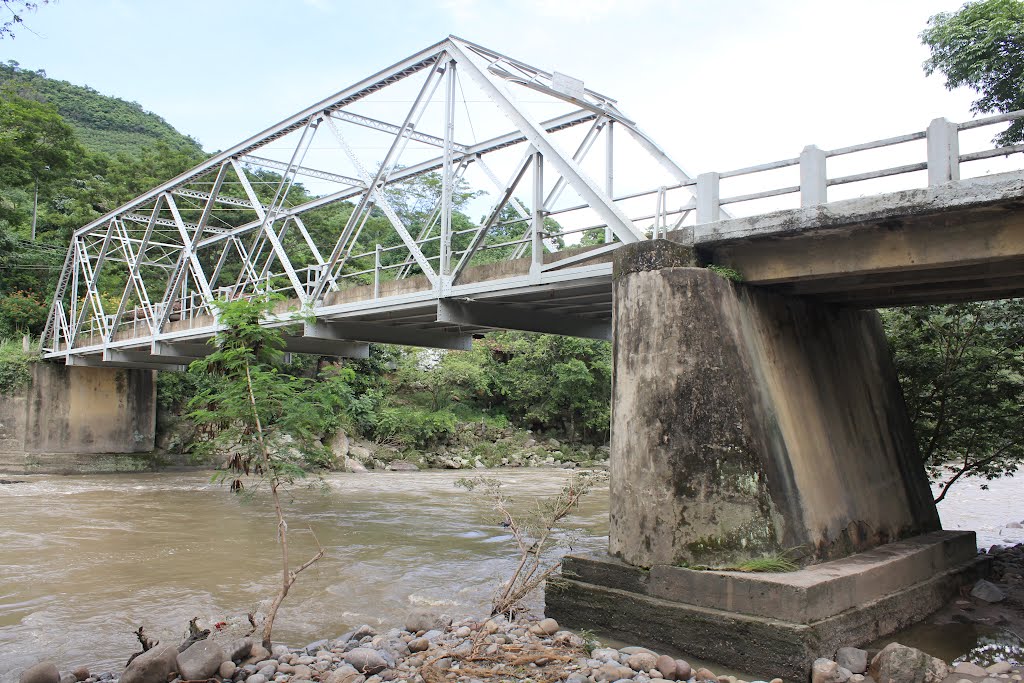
point(302, 210)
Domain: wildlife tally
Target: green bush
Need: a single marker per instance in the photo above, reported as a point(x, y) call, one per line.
point(414, 427)
point(15, 366)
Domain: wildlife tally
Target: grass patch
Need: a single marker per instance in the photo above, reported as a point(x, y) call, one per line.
point(772, 563)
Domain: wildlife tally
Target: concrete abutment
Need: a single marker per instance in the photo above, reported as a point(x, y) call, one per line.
point(745, 425)
point(68, 417)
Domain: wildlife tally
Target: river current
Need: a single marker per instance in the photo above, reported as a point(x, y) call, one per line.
point(85, 560)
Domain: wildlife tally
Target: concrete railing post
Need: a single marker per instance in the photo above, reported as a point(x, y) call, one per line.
point(943, 152)
point(813, 177)
point(708, 208)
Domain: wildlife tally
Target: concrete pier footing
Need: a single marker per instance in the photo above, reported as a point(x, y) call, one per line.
point(771, 624)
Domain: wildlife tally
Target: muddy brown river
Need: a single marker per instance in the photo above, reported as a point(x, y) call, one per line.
point(85, 560)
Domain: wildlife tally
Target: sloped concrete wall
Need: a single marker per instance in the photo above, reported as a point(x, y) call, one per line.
point(80, 410)
point(746, 423)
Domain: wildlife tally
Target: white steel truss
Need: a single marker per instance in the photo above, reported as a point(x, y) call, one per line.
point(290, 210)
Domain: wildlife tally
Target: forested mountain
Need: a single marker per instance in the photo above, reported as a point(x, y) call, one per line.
point(101, 123)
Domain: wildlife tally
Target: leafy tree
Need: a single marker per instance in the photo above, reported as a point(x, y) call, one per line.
point(962, 371)
point(21, 312)
point(33, 140)
point(551, 382)
point(255, 411)
point(982, 46)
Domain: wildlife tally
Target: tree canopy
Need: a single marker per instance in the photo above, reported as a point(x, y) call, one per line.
point(962, 371)
point(982, 46)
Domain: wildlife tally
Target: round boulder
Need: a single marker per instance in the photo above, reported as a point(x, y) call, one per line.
point(366, 661)
point(43, 672)
point(642, 661)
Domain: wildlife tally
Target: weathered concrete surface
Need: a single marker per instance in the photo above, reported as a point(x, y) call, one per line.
point(851, 601)
point(959, 241)
point(79, 410)
point(745, 424)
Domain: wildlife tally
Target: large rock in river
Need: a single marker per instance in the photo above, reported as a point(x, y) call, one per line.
point(200, 660)
point(901, 664)
point(152, 666)
point(43, 672)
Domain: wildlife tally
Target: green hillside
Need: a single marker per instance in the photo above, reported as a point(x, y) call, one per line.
point(101, 123)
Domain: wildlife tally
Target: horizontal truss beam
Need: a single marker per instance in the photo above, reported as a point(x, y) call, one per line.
point(388, 334)
point(478, 314)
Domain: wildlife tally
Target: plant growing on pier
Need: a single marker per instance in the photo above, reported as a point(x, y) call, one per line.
point(537, 533)
point(256, 413)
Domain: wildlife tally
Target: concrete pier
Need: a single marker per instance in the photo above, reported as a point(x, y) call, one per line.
point(67, 413)
point(747, 424)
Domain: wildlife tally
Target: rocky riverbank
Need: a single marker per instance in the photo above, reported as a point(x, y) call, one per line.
point(471, 445)
point(434, 649)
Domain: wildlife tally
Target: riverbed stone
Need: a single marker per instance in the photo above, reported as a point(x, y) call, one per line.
point(43, 672)
point(642, 661)
point(365, 660)
point(545, 627)
point(200, 660)
point(999, 668)
point(152, 666)
point(987, 591)
point(345, 674)
point(666, 666)
point(898, 663)
point(80, 673)
point(68, 678)
point(425, 621)
point(826, 671)
point(258, 653)
point(852, 658)
point(227, 669)
point(684, 670)
point(419, 645)
point(238, 649)
point(608, 673)
point(256, 678)
point(970, 669)
point(705, 675)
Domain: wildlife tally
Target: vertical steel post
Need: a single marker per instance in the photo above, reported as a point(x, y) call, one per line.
point(447, 191)
point(537, 227)
point(813, 176)
point(609, 172)
point(376, 272)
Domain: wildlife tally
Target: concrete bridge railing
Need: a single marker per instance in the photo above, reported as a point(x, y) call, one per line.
point(942, 165)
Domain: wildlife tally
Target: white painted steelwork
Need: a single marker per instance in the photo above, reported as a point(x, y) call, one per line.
point(139, 283)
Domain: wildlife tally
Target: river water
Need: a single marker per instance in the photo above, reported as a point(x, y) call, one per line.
point(86, 560)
